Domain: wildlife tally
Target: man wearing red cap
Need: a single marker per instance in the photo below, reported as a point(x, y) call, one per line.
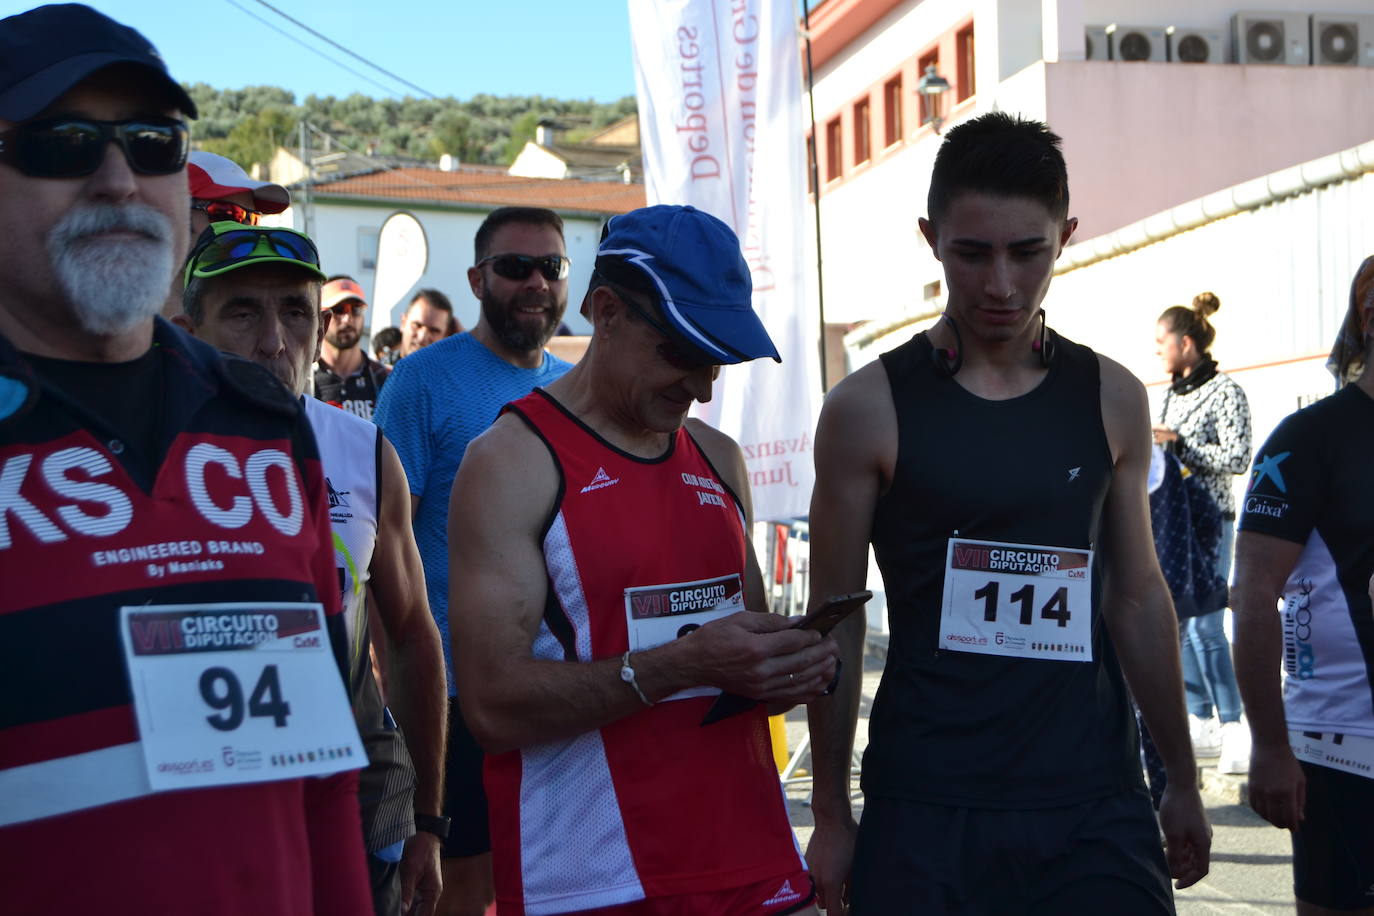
point(220, 190)
point(345, 375)
point(223, 192)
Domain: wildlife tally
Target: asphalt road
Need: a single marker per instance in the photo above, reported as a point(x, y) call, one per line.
point(1251, 861)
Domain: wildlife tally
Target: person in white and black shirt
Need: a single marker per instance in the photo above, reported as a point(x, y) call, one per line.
point(345, 375)
point(1306, 543)
point(1205, 422)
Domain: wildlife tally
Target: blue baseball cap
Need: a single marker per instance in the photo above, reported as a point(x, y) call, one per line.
point(49, 49)
point(692, 261)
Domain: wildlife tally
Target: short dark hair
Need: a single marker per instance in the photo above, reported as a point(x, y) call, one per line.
point(538, 216)
point(1002, 154)
point(435, 299)
point(386, 339)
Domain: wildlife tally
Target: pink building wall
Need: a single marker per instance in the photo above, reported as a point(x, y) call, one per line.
point(1143, 137)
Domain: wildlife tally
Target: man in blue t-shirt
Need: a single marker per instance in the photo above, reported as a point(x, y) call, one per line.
point(435, 402)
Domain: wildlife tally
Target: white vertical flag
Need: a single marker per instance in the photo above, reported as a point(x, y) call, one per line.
point(720, 122)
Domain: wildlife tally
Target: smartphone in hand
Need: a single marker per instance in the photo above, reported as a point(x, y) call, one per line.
point(823, 619)
point(836, 608)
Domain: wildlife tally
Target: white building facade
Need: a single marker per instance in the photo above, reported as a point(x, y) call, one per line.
point(346, 216)
point(1139, 137)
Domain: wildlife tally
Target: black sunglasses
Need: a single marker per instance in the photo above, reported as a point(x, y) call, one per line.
point(669, 350)
point(75, 147)
point(520, 266)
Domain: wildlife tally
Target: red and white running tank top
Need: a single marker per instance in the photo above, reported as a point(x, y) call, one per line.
point(637, 551)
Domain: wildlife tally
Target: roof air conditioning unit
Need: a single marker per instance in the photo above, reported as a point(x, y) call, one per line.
point(1097, 44)
point(1270, 38)
point(1342, 40)
point(1138, 42)
point(1196, 46)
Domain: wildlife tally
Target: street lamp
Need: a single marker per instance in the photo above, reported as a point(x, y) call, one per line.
point(931, 86)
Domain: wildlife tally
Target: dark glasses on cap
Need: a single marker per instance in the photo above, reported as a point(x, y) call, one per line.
point(226, 211)
point(669, 350)
point(520, 266)
point(75, 147)
point(215, 254)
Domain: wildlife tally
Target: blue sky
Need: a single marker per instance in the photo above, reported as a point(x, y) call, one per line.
point(557, 48)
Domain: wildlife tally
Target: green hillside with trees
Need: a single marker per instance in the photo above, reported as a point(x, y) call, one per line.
point(248, 124)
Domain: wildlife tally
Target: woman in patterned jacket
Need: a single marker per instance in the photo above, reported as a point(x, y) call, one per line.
point(1205, 421)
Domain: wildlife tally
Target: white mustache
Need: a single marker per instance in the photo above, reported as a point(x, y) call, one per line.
point(92, 219)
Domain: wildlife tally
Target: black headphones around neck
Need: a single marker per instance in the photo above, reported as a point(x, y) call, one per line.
point(947, 361)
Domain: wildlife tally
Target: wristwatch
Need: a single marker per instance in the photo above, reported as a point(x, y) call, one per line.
point(627, 674)
point(436, 824)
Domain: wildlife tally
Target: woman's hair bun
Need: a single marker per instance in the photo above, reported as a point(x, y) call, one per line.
point(1206, 304)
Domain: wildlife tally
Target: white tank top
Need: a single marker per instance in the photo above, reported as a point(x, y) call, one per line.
point(350, 449)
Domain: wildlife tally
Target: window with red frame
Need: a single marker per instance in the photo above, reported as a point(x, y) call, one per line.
point(863, 131)
point(963, 44)
point(834, 144)
point(892, 111)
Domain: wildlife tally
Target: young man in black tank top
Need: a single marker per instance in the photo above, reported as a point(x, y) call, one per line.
point(999, 471)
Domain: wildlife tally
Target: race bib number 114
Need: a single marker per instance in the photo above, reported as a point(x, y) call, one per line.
point(1017, 600)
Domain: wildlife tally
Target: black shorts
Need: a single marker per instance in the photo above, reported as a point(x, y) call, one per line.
point(1333, 849)
point(1099, 856)
point(465, 800)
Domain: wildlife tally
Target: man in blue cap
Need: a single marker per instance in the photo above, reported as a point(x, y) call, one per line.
point(157, 503)
point(604, 595)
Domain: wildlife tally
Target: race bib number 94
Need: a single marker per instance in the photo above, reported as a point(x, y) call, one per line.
point(1017, 600)
point(236, 693)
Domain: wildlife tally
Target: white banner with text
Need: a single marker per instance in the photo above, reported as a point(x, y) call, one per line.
point(720, 119)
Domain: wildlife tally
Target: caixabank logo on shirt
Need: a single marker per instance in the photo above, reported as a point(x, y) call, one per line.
point(218, 503)
point(1268, 490)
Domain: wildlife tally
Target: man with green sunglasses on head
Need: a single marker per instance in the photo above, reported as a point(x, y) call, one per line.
point(157, 500)
point(254, 291)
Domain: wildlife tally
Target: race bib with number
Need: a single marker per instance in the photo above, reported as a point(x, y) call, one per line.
point(658, 614)
point(1348, 753)
point(1017, 600)
point(237, 693)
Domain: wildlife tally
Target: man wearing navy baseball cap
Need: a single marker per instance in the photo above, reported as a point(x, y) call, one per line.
point(150, 488)
point(603, 595)
point(687, 263)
